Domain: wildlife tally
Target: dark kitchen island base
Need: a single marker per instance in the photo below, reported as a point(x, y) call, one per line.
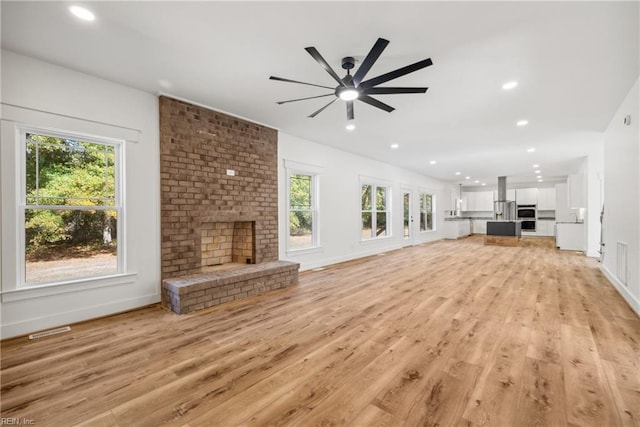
point(503, 233)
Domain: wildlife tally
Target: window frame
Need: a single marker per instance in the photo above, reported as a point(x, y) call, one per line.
point(295, 168)
point(422, 195)
point(22, 206)
point(374, 212)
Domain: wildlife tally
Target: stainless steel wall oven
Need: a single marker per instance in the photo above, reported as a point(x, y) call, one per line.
point(527, 214)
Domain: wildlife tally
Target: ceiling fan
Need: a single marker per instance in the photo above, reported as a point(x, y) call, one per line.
point(354, 87)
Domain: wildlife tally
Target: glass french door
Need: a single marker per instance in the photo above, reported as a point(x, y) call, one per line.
point(407, 218)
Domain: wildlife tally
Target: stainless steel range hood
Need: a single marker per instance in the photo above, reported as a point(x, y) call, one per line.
point(503, 209)
point(502, 189)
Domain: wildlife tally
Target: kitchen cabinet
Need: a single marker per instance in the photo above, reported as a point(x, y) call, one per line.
point(479, 226)
point(467, 200)
point(527, 196)
point(477, 201)
point(570, 236)
point(575, 191)
point(457, 228)
point(545, 227)
point(546, 199)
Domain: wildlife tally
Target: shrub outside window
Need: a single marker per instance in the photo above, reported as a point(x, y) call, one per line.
point(374, 202)
point(71, 207)
point(302, 211)
point(426, 212)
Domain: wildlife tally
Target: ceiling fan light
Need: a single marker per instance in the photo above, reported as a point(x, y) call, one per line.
point(349, 94)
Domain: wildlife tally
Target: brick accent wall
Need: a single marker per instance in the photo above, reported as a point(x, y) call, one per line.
point(197, 147)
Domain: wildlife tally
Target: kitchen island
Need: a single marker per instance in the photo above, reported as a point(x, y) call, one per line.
point(503, 233)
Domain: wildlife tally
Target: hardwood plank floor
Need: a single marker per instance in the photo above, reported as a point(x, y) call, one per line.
point(449, 333)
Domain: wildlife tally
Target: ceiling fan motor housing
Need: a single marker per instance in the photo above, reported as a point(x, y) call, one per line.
point(348, 62)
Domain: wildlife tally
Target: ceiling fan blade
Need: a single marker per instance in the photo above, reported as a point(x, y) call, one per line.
point(316, 55)
point(350, 110)
point(315, 113)
point(303, 99)
point(280, 79)
point(369, 60)
point(396, 73)
point(374, 102)
point(392, 90)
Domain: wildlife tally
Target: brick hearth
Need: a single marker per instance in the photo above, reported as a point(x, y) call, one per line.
point(190, 293)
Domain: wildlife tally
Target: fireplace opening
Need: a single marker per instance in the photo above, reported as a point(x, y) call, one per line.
point(227, 244)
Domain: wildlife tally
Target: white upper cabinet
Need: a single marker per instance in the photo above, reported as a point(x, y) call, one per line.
point(527, 196)
point(546, 199)
point(479, 201)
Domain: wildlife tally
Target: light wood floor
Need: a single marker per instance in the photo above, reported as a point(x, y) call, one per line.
point(445, 334)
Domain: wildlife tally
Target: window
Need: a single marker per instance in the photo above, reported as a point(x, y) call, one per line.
point(374, 211)
point(70, 207)
point(302, 211)
point(426, 212)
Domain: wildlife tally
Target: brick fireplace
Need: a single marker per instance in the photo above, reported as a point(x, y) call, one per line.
point(218, 207)
point(227, 242)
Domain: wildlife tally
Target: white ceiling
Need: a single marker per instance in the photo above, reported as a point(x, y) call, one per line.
point(574, 61)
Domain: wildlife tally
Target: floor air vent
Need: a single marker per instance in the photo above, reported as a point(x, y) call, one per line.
point(49, 332)
point(621, 262)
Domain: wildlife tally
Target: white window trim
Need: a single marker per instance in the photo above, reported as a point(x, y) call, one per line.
point(22, 205)
point(297, 168)
point(374, 183)
point(14, 182)
point(47, 289)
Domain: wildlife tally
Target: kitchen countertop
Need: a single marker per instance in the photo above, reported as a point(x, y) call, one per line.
point(547, 218)
point(464, 218)
point(570, 222)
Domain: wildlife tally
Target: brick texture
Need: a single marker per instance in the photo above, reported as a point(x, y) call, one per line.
point(196, 292)
point(197, 147)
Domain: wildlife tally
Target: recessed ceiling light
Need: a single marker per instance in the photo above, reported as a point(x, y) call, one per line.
point(467, 177)
point(82, 13)
point(509, 85)
point(539, 176)
point(484, 183)
point(457, 173)
point(537, 171)
point(477, 182)
point(395, 146)
point(540, 180)
point(432, 162)
point(522, 122)
point(350, 126)
point(536, 166)
point(531, 150)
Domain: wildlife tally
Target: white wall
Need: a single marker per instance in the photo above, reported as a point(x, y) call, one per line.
point(339, 201)
point(594, 176)
point(41, 94)
point(621, 197)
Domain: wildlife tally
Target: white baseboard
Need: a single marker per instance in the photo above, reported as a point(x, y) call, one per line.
point(622, 290)
point(336, 260)
point(62, 319)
